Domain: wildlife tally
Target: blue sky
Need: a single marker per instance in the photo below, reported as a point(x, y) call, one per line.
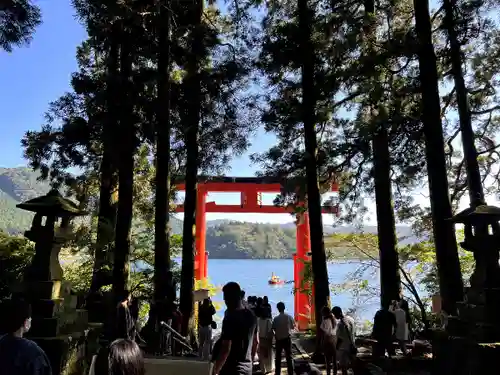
point(33, 76)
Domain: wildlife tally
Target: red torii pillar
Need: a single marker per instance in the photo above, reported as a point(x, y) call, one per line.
point(201, 256)
point(303, 301)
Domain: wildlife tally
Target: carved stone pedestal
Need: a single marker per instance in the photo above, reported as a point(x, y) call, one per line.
point(471, 343)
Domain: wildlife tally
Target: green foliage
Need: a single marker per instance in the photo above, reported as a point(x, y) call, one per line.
point(417, 264)
point(78, 261)
point(226, 239)
point(18, 21)
point(17, 185)
point(15, 256)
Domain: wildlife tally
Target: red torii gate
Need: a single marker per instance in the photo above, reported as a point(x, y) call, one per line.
point(251, 189)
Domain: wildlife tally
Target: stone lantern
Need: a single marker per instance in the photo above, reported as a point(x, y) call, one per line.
point(48, 210)
point(56, 322)
point(482, 238)
point(474, 335)
point(43, 278)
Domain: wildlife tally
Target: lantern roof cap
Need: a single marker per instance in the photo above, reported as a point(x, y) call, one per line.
point(479, 214)
point(52, 203)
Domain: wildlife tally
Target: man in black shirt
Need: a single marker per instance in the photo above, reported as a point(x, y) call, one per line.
point(239, 338)
point(384, 326)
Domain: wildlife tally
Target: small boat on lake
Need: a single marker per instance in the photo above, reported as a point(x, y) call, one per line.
point(275, 280)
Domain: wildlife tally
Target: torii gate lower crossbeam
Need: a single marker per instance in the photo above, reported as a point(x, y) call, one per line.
point(251, 189)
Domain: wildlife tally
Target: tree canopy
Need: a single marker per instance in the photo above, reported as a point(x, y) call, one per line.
point(370, 95)
point(18, 21)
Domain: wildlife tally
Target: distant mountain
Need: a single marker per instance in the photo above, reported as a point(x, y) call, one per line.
point(256, 240)
point(18, 185)
point(225, 238)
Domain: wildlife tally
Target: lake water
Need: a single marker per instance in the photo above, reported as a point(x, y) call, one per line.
point(253, 276)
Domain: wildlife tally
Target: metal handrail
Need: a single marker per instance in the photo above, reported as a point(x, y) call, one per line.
point(177, 336)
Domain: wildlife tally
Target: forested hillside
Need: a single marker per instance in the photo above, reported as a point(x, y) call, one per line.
point(17, 185)
point(250, 240)
point(225, 238)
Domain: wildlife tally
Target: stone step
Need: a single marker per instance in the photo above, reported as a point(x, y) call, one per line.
point(172, 365)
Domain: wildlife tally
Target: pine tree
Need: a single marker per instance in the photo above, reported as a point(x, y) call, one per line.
point(389, 265)
point(163, 284)
point(309, 120)
point(474, 180)
point(18, 20)
point(191, 122)
point(450, 277)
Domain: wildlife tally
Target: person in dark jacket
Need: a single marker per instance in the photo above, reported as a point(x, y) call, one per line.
point(384, 326)
point(205, 320)
point(20, 356)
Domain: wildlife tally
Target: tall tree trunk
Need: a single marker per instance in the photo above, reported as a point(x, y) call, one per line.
point(390, 282)
point(125, 174)
point(318, 255)
point(450, 277)
point(476, 193)
point(106, 223)
point(107, 206)
point(162, 214)
point(192, 110)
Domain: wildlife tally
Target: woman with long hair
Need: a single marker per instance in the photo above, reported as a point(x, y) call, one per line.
point(329, 340)
point(122, 357)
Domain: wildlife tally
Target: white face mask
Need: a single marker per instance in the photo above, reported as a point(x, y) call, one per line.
point(27, 325)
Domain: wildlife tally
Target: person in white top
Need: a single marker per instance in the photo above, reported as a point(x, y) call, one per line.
point(328, 335)
point(401, 325)
point(283, 326)
point(346, 350)
point(266, 353)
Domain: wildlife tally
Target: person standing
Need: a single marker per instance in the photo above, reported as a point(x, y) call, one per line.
point(239, 337)
point(403, 303)
point(283, 326)
point(205, 318)
point(243, 299)
point(384, 326)
point(266, 304)
point(266, 357)
point(329, 340)
point(401, 326)
point(18, 355)
point(346, 350)
point(177, 320)
point(258, 306)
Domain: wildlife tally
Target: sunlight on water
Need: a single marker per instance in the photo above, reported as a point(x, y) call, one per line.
point(253, 276)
